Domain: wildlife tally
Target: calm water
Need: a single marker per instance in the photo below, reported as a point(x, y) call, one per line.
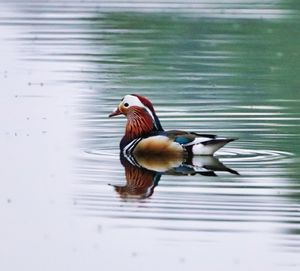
point(225, 67)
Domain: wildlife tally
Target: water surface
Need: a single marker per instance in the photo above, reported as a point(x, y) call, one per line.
point(222, 67)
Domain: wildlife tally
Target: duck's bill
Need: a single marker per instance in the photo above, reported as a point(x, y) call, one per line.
point(115, 113)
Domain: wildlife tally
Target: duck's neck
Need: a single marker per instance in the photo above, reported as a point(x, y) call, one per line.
point(140, 123)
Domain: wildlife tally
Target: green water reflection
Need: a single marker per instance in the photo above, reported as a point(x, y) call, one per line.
point(234, 77)
point(247, 69)
point(226, 67)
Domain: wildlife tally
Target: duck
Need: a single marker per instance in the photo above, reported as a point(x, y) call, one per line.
point(144, 134)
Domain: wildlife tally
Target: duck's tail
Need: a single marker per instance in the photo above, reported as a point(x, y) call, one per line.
point(209, 147)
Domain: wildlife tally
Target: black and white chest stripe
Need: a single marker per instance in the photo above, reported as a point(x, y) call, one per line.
point(128, 149)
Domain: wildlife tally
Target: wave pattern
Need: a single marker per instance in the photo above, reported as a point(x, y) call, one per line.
point(225, 67)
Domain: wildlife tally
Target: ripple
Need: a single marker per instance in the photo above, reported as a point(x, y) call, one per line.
point(104, 153)
point(232, 155)
point(226, 75)
point(254, 156)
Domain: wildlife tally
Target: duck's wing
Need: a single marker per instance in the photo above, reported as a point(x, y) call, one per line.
point(198, 144)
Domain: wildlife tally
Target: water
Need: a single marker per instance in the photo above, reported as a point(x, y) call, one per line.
point(224, 67)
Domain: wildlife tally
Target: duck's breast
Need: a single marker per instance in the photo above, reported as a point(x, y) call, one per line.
point(158, 145)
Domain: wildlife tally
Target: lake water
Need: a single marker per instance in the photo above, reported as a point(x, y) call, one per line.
point(223, 67)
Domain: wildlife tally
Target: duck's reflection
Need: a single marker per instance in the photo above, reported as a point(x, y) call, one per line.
point(144, 172)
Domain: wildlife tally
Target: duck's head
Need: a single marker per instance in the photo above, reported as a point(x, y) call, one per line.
point(135, 106)
point(132, 102)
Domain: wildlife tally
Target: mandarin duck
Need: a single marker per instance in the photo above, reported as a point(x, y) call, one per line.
point(144, 134)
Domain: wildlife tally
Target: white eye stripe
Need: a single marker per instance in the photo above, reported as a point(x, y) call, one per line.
point(151, 114)
point(135, 101)
point(132, 101)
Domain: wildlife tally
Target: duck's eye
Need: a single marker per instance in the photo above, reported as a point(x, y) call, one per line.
point(126, 104)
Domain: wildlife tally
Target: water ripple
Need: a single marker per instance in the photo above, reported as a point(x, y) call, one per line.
point(222, 67)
